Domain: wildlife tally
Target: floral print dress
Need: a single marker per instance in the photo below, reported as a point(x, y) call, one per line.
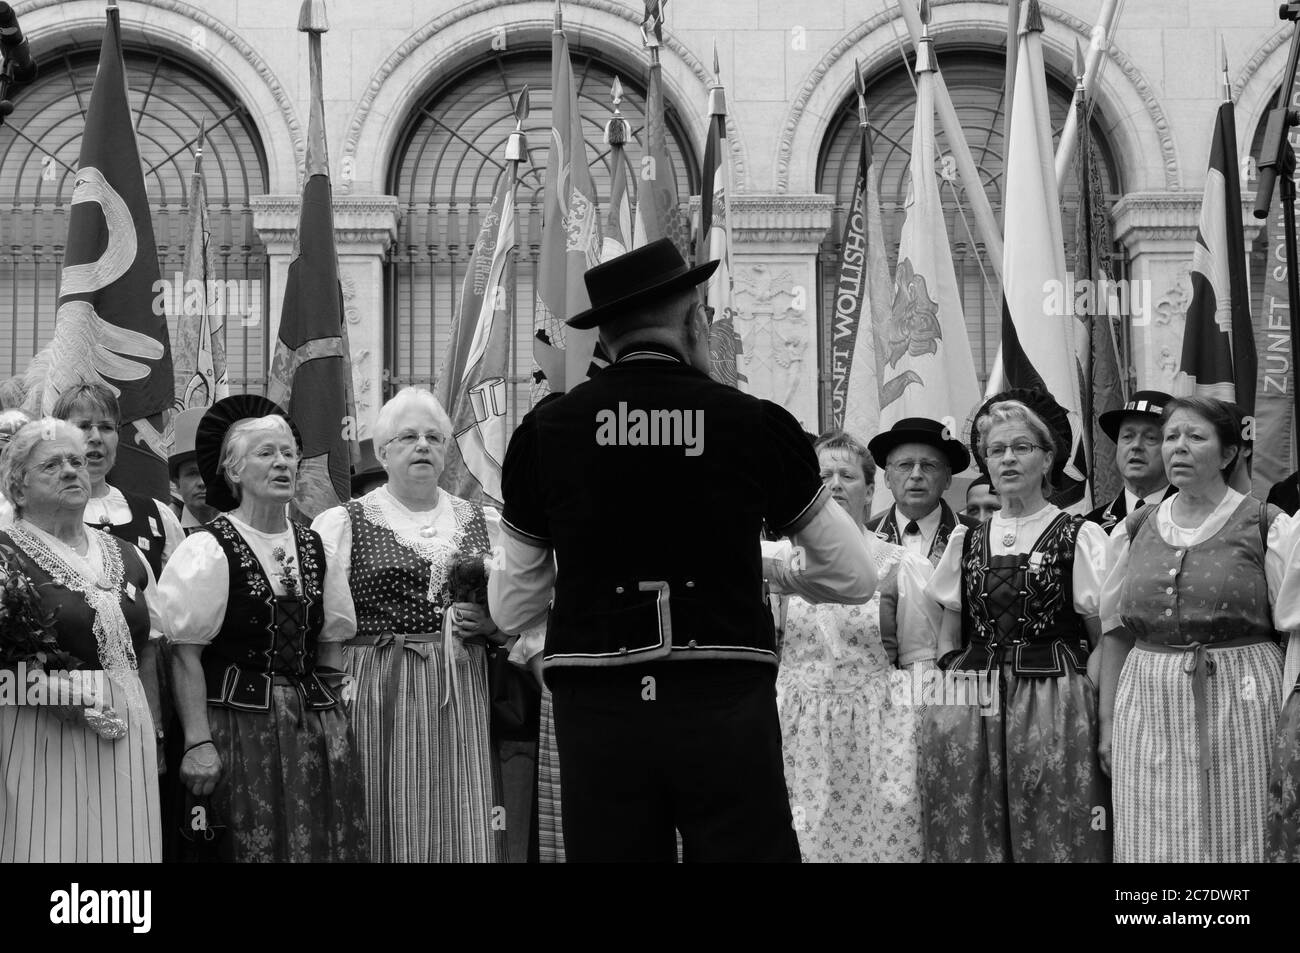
point(849, 728)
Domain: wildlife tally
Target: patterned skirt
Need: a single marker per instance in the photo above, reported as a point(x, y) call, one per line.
point(439, 801)
point(1156, 753)
point(69, 796)
point(550, 831)
point(290, 789)
point(1020, 783)
point(850, 766)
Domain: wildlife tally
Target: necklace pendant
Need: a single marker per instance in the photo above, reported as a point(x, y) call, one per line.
point(426, 532)
point(1009, 538)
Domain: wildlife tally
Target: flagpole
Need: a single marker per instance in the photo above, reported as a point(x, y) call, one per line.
point(1107, 20)
point(1009, 83)
point(986, 225)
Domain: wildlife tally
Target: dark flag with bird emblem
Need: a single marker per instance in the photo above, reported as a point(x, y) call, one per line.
point(107, 329)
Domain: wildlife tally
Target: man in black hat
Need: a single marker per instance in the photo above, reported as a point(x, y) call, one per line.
point(650, 483)
point(1135, 428)
point(919, 457)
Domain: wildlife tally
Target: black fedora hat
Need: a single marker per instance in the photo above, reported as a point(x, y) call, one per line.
point(1051, 413)
point(919, 430)
point(219, 418)
point(646, 273)
point(1147, 403)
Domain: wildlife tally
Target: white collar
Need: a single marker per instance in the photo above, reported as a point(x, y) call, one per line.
point(928, 524)
point(1131, 498)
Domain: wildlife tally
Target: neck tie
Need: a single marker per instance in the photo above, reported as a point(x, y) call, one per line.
point(912, 529)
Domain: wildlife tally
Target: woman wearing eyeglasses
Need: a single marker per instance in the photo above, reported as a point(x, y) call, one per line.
point(268, 752)
point(1009, 766)
point(69, 793)
point(1192, 686)
point(420, 702)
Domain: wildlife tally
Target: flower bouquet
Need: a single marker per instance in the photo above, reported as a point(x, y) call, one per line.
point(27, 641)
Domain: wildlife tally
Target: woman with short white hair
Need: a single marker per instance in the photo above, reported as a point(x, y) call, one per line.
point(267, 743)
point(416, 645)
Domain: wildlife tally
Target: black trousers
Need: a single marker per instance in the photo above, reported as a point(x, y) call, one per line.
point(690, 746)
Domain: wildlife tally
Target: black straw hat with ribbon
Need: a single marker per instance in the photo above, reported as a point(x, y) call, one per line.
point(220, 417)
point(645, 274)
point(1145, 403)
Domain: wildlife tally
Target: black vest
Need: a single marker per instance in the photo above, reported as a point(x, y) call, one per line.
point(151, 540)
point(264, 635)
point(656, 540)
point(1020, 608)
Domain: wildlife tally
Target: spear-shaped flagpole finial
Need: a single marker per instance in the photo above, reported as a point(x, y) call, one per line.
point(311, 17)
point(925, 49)
point(717, 95)
point(717, 69)
point(616, 128)
point(559, 17)
point(1031, 18)
point(1079, 66)
point(860, 85)
point(517, 145)
point(198, 143)
point(652, 25)
point(1227, 83)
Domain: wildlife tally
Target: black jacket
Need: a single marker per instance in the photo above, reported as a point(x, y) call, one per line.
point(652, 483)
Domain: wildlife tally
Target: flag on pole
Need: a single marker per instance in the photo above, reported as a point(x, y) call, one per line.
point(1039, 347)
point(658, 214)
point(1106, 390)
point(472, 387)
point(926, 368)
point(1218, 358)
point(108, 328)
point(715, 240)
point(617, 237)
point(310, 374)
point(863, 297)
point(200, 353)
point(570, 237)
point(1275, 447)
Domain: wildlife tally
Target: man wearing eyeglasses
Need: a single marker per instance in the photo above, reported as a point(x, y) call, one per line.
point(919, 457)
point(1135, 428)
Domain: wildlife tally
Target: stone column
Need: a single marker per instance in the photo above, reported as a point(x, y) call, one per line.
point(774, 265)
point(364, 228)
point(1159, 231)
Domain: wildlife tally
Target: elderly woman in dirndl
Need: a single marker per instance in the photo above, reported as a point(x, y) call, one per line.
point(416, 647)
point(267, 743)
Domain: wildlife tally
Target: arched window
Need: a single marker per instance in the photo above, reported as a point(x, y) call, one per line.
point(444, 174)
point(975, 80)
point(40, 144)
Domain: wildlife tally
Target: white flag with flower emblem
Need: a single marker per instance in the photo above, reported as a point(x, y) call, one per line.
point(923, 354)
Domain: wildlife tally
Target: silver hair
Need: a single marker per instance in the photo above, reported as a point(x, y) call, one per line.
point(1014, 412)
point(13, 419)
point(234, 445)
point(17, 454)
point(384, 429)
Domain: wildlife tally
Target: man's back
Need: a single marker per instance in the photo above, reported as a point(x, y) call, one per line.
point(652, 484)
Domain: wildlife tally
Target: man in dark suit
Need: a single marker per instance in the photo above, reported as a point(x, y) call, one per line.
point(919, 457)
point(1135, 428)
point(638, 499)
point(1286, 493)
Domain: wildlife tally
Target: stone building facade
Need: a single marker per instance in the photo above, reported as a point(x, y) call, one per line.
point(401, 77)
